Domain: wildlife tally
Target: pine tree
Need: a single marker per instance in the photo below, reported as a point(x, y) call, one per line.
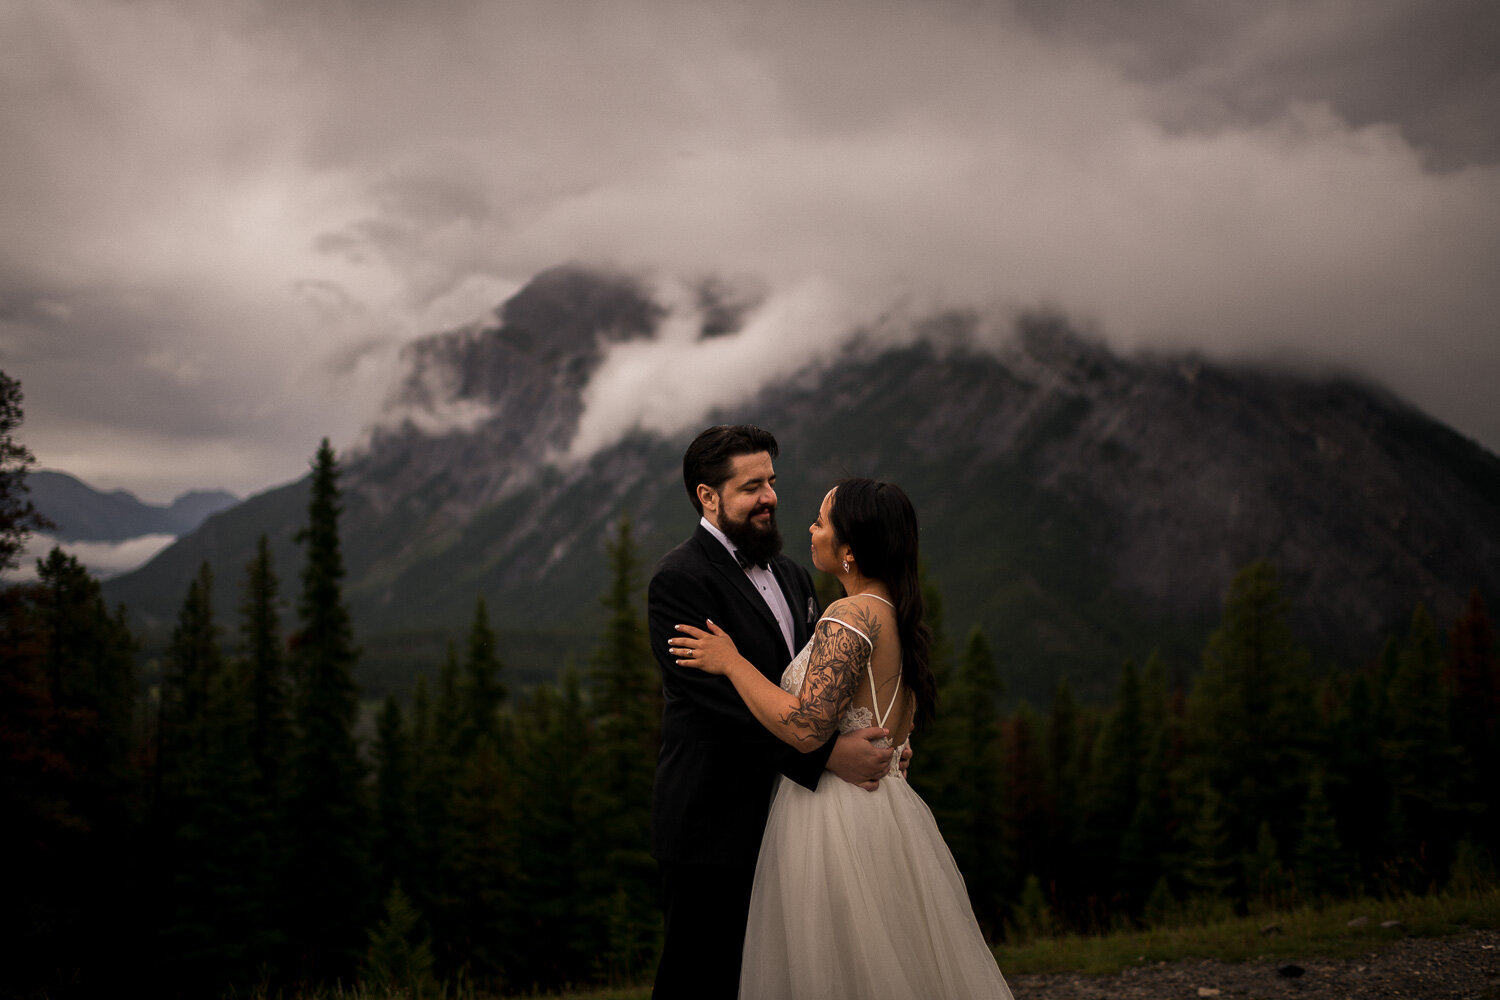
point(1113, 791)
point(399, 961)
point(1250, 714)
point(1356, 782)
point(627, 710)
point(1473, 683)
point(435, 726)
point(265, 667)
point(1064, 777)
point(217, 924)
point(1026, 812)
point(448, 716)
point(1211, 858)
point(329, 882)
point(395, 838)
point(552, 852)
point(1421, 758)
point(192, 666)
point(18, 516)
point(481, 912)
point(1145, 840)
point(1265, 876)
point(70, 789)
point(483, 692)
point(974, 830)
point(262, 677)
point(1322, 865)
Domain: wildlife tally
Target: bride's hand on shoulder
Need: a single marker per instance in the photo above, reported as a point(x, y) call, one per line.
point(713, 651)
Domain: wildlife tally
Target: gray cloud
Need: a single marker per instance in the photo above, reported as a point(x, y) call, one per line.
point(220, 222)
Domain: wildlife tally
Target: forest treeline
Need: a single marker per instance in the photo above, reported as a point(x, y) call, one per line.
point(226, 827)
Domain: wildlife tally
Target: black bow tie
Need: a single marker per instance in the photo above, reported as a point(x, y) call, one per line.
point(744, 561)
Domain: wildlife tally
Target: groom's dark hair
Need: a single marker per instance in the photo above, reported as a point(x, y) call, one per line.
point(712, 453)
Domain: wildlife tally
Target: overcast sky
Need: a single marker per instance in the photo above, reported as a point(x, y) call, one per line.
point(219, 221)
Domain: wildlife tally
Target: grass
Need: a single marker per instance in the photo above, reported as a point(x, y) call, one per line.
point(1304, 933)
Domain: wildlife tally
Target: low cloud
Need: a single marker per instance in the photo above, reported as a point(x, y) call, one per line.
point(220, 223)
point(667, 383)
point(102, 559)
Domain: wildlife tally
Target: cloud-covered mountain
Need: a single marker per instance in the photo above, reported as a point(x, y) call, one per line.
point(1082, 507)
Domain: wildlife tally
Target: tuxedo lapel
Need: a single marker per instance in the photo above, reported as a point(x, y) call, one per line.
point(724, 563)
point(801, 606)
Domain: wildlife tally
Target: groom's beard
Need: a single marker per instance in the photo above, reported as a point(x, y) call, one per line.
point(759, 545)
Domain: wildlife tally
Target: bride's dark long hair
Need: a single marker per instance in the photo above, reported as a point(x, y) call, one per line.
point(877, 521)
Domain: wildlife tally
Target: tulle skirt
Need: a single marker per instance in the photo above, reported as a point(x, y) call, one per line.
point(856, 895)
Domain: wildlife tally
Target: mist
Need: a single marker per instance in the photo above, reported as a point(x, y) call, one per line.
point(221, 223)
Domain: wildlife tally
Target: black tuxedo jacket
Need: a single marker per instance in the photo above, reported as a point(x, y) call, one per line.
point(717, 763)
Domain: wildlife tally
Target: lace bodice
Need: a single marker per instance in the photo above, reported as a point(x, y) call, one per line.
point(857, 716)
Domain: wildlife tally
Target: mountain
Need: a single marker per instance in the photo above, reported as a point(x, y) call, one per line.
point(1080, 506)
point(84, 514)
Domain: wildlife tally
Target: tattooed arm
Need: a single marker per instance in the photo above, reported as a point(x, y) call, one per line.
point(838, 659)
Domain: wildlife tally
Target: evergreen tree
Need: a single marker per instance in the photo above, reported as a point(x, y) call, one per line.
point(1322, 865)
point(1211, 858)
point(217, 924)
point(973, 818)
point(18, 515)
point(627, 711)
point(1421, 759)
point(479, 915)
point(1265, 876)
point(448, 717)
point(1473, 683)
point(192, 666)
point(399, 961)
point(552, 854)
point(265, 667)
point(70, 789)
point(1064, 776)
point(266, 714)
point(1355, 782)
point(1250, 714)
point(1145, 840)
point(395, 839)
point(483, 691)
point(435, 726)
point(329, 882)
point(1113, 792)
point(1027, 814)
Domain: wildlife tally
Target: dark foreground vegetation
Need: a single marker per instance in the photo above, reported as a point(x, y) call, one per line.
point(233, 821)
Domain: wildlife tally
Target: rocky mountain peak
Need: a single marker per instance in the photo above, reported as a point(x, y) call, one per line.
point(1079, 505)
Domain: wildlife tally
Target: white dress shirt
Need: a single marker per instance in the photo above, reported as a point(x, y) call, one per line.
point(765, 582)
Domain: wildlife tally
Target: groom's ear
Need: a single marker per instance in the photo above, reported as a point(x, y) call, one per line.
point(708, 498)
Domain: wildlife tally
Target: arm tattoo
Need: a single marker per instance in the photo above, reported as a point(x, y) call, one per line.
point(838, 660)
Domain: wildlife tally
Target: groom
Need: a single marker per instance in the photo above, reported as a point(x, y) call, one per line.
point(717, 763)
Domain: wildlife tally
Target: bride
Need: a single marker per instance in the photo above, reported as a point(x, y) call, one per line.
point(856, 895)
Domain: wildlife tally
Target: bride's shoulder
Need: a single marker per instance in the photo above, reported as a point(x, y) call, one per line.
point(859, 611)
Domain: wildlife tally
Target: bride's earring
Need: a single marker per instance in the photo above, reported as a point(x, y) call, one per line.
point(846, 564)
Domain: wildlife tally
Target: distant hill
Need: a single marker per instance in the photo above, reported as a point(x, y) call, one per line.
point(84, 514)
point(1080, 506)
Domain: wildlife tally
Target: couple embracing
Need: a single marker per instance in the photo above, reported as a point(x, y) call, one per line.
point(778, 881)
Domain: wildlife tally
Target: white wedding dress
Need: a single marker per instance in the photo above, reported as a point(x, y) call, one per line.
point(856, 895)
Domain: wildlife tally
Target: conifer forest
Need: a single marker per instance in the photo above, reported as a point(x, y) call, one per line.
point(240, 820)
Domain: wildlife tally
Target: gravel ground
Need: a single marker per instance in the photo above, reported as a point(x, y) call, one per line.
point(1463, 967)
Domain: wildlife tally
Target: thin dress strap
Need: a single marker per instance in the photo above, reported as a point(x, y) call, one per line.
point(879, 715)
point(840, 621)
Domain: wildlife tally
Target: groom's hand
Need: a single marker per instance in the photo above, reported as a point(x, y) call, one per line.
point(858, 761)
